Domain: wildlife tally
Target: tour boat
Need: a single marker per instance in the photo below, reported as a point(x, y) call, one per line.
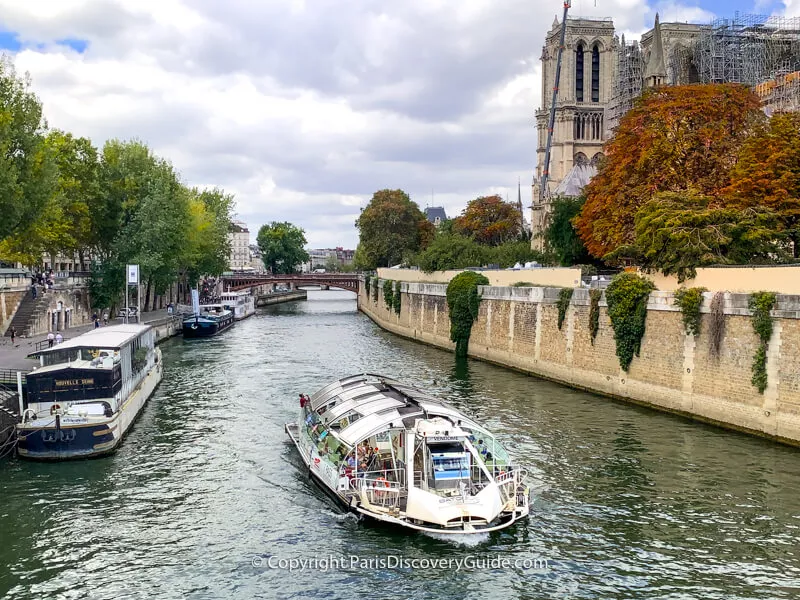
point(87, 392)
point(242, 303)
point(209, 321)
point(398, 455)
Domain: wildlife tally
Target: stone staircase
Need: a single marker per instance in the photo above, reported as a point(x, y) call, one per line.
point(26, 312)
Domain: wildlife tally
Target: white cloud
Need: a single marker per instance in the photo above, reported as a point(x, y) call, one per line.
point(304, 108)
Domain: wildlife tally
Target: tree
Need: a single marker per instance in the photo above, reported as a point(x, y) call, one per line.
point(678, 232)
point(767, 174)
point(208, 245)
point(282, 247)
point(451, 251)
point(27, 171)
point(490, 220)
point(332, 264)
point(561, 238)
point(390, 228)
point(126, 171)
point(674, 139)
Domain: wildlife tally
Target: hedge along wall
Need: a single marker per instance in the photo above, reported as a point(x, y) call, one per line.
point(675, 371)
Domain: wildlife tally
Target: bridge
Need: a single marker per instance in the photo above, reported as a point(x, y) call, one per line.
point(244, 281)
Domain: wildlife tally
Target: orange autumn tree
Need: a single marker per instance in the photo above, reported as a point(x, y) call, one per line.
point(674, 139)
point(490, 220)
point(767, 174)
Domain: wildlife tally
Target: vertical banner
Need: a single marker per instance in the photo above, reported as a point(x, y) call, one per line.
point(195, 301)
point(133, 274)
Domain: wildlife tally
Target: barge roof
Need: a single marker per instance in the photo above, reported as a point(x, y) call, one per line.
point(112, 337)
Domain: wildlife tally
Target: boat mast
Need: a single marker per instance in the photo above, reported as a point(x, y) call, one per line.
point(544, 190)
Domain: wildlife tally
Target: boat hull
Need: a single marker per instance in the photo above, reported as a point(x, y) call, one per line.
point(71, 439)
point(204, 329)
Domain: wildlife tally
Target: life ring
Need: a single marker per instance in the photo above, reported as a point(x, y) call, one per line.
point(54, 408)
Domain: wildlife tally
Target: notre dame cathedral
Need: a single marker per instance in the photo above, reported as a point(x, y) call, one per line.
point(601, 77)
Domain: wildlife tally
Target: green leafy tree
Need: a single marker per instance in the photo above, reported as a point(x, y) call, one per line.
point(28, 174)
point(282, 247)
point(678, 232)
point(208, 245)
point(451, 251)
point(490, 220)
point(561, 237)
point(390, 228)
point(126, 171)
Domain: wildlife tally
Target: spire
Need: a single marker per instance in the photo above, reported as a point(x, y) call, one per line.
point(656, 72)
point(555, 22)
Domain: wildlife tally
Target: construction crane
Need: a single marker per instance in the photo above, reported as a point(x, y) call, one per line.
point(544, 190)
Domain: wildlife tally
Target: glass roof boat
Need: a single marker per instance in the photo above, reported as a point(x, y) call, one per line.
point(396, 454)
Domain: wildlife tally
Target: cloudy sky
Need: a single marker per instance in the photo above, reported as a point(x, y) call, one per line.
point(304, 108)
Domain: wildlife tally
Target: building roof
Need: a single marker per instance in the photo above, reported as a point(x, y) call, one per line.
point(111, 337)
point(656, 67)
point(435, 212)
point(574, 181)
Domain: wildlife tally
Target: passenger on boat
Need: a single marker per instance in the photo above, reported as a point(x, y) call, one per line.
point(302, 401)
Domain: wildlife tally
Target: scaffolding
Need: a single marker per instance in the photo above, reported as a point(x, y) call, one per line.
point(626, 83)
point(781, 94)
point(748, 49)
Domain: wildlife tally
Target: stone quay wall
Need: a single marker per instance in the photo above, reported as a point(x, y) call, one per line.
point(675, 372)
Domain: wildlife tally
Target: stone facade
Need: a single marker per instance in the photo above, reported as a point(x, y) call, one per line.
point(517, 328)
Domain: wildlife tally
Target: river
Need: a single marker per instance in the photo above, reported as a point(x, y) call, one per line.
point(206, 496)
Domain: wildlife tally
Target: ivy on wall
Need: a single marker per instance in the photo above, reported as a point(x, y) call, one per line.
point(716, 324)
point(564, 298)
point(397, 297)
point(388, 292)
point(689, 300)
point(761, 303)
point(463, 302)
point(367, 280)
point(375, 291)
point(594, 312)
point(627, 296)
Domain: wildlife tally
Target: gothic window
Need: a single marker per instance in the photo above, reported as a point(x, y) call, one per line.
point(581, 159)
point(579, 73)
point(595, 74)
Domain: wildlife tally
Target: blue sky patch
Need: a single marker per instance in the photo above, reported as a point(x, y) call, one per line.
point(9, 41)
point(78, 45)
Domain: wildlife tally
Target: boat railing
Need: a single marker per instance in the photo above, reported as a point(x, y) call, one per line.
point(508, 481)
point(379, 491)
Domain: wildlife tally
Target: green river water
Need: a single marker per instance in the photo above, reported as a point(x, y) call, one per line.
point(207, 499)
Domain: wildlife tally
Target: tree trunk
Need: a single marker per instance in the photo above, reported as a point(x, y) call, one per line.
point(147, 293)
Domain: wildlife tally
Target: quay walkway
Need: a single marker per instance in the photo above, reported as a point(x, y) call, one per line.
point(15, 357)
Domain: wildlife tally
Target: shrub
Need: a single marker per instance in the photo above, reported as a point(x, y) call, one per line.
point(388, 292)
point(594, 312)
point(761, 303)
point(397, 297)
point(627, 296)
point(463, 302)
point(367, 279)
point(375, 291)
point(689, 300)
point(564, 298)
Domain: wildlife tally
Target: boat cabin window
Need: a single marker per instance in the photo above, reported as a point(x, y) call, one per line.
point(450, 465)
point(99, 356)
point(490, 450)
